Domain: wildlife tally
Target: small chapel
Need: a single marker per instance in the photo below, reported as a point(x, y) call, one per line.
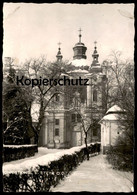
point(62, 124)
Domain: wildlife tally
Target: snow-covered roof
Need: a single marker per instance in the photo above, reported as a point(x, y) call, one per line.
point(94, 73)
point(114, 108)
point(112, 113)
point(110, 117)
point(79, 62)
point(78, 71)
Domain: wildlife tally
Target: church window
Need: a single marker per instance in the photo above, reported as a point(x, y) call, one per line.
point(95, 95)
point(56, 132)
point(73, 117)
point(56, 121)
point(78, 118)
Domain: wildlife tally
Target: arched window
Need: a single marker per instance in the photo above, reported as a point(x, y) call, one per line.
point(94, 95)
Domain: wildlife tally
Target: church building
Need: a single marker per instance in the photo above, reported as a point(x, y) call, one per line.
point(72, 111)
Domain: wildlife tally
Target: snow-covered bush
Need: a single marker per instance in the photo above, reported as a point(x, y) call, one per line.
point(16, 152)
point(42, 176)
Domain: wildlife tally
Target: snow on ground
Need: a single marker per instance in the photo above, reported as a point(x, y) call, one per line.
point(96, 175)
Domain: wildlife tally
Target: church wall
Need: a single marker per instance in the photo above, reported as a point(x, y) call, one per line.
point(50, 132)
point(68, 127)
point(98, 85)
point(114, 132)
point(43, 134)
point(102, 135)
point(109, 133)
point(62, 140)
point(89, 93)
point(61, 128)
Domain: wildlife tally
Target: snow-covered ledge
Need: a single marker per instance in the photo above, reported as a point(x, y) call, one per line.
point(18, 146)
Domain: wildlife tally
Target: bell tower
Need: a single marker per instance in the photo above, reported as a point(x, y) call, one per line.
point(96, 87)
point(59, 56)
point(95, 66)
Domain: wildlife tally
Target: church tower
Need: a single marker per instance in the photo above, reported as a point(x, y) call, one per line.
point(96, 93)
point(59, 55)
point(95, 66)
point(79, 49)
point(96, 89)
point(97, 81)
point(79, 58)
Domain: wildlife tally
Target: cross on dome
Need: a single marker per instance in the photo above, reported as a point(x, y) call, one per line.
point(80, 30)
point(80, 35)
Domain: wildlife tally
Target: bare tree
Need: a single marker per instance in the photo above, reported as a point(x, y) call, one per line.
point(37, 69)
point(123, 96)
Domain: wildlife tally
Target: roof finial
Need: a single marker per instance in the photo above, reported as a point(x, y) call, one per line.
point(80, 35)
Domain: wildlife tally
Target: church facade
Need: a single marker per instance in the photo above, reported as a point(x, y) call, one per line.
point(72, 112)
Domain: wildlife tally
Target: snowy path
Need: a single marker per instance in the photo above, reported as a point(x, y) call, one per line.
point(95, 175)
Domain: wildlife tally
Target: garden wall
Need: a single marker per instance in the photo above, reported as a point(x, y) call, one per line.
point(16, 152)
point(48, 173)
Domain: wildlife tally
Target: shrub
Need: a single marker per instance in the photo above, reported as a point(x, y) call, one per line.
point(41, 178)
point(121, 157)
point(16, 152)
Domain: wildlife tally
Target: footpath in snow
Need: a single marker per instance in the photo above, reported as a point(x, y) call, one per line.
point(96, 175)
